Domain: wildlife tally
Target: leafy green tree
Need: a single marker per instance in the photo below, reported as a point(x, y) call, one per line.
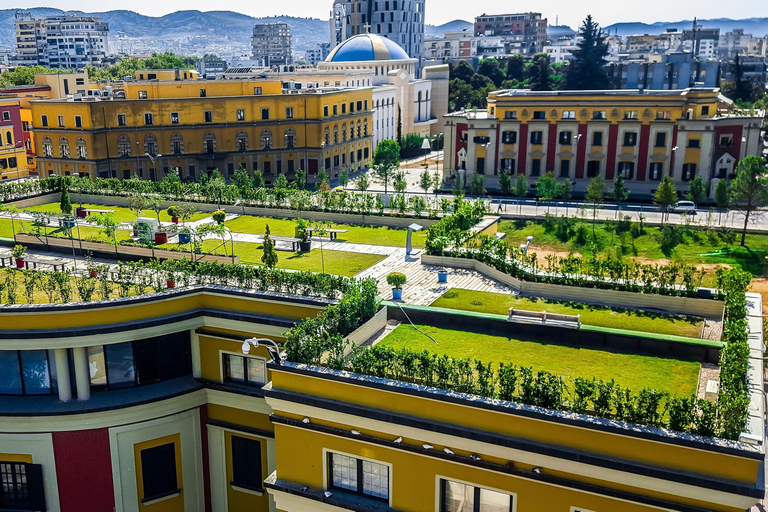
point(563, 191)
point(399, 183)
point(516, 67)
point(595, 196)
point(323, 181)
point(462, 72)
point(697, 190)
point(722, 194)
point(480, 82)
point(620, 192)
point(258, 179)
point(541, 73)
point(425, 180)
point(269, 255)
point(587, 69)
point(505, 182)
point(344, 178)
point(750, 189)
point(25, 75)
point(301, 179)
point(490, 69)
point(546, 186)
point(521, 188)
point(665, 195)
point(477, 184)
point(363, 183)
point(109, 222)
point(242, 180)
point(281, 183)
point(385, 161)
point(154, 203)
point(65, 205)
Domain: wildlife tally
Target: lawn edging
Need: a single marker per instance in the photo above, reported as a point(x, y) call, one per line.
point(629, 300)
point(706, 351)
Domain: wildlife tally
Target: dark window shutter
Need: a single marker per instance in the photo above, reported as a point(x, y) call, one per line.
point(246, 463)
point(35, 484)
point(158, 469)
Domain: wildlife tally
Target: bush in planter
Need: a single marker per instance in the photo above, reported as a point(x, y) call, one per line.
point(173, 213)
point(301, 229)
point(396, 280)
point(19, 251)
point(219, 216)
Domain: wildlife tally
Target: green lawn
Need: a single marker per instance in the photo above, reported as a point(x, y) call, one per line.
point(121, 214)
point(675, 376)
point(336, 262)
point(695, 248)
point(371, 235)
point(599, 316)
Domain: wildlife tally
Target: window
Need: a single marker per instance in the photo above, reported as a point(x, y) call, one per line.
point(705, 111)
point(630, 139)
point(359, 106)
point(265, 114)
point(247, 370)
point(509, 137)
point(290, 138)
point(241, 141)
point(209, 143)
point(539, 114)
point(510, 115)
point(661, 140)
point(459, 497)
point(121, 120)
point(593, 168)
point(44, 120)
point(149, 119)
point(507, 164)
point(78, 122)
point(689, 172)
point(61, 121)
point(597, 139)
point(335, 110)
point(22, 486)
point(174, 118)
point(359, 476)
point(257, 91)
point(627, 170)
point(726, 141)
point(565, 168)
point(142, 95)
point(246, 463)
point(47, 147)
point(536, 137)
point(177, 144)
point(82, 151)
point(64, 148)
point(266, 139)
point(655, 170)
point(240, 114)
point(289, 112)
point(6, 115)
point(325, 111)
point(536, 167)
point(663, 116)
point(599, 115)
point(123, 146)
point(630, 114)
point(203, 93)
point(158, 472)
point(694, 143)
point(208, 115)
point(565, 138)
point(569, 114)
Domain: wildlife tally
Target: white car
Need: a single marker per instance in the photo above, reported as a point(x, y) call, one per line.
point(686, 207)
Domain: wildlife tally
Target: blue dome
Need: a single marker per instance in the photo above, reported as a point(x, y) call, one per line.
point(367, 47)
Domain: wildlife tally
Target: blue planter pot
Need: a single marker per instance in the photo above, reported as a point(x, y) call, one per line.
point(184, 238)
point(69, 223)
point(442, 277)
point(397, 294)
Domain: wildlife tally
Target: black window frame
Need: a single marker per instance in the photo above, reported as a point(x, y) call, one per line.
point(225, 357)
point(626, 170)
point(240, 114)
point(593, 163)
point(149, 116)
point(156, 472)
point(265, 114)
point(539, 114)
point(694, 143)
point(537, 138)
point(175, 118)
point(653, 168)
point(597, 139)
point(208, 116)
point(51, 384)
point(536, 169)
point(247, 468)
point(203, 93)
point(360, 479)
point(24, 486)
point(565, 168)
point(689, 172)
point(566, 138)
point(509, 137)
point(630, 139)
point(660, 140)
point(477, 490)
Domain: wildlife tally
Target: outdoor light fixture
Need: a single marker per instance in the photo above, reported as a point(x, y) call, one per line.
point(270, 345)
point(537, 471)
point(409, 238)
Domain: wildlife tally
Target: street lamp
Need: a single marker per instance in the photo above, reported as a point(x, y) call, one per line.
point(426, 146)
point(270, 345)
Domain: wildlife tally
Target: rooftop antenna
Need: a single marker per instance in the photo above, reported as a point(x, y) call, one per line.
point(557, 20)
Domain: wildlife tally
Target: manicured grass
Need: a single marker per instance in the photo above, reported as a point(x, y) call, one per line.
point(696, 247)
point(600, 316)
point(40, 297)
point(121, 214)
point(675, 376)
point(371, 235)
point(6, 230)
point(336, 262)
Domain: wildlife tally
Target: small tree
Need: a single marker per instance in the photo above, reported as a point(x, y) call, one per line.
point(399, 183)
point(155, 203)
point(65, 205)
point(385, 161)
point(595, 196)
point(665, 196)
point(269, 257)
point(425, 180)
point(301, 179)
point(477, 184)
point(750, 189)
point(521, 188)
point(137, 202)
point(363, 183)
point(323, 182)
point(258, 179)
point(185, 211)
point(546, 186)
point(620, 192)
point(564, 192)
point(722, 197)
point(344, 178)
point(109, 222)
point(697, 190)
point(505, 182)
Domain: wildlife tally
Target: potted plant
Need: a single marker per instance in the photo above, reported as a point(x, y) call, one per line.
point(185, 236)
point(18, 254)
point(173, 213)
point(396, 280)
point(170, 279)
point(302, 233)
point(440, 243)
point(219, 216)
point(161, 237)
point(92, 269)
point(81, 212)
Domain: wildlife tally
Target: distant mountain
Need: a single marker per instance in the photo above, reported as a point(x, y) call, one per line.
point(193, 31)
point(758, 27)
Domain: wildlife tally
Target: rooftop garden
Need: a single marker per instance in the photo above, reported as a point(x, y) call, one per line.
point(599, 316)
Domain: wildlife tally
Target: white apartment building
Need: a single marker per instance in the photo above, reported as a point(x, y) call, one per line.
point(70, 42)
point(560, 53)
point(318, 54)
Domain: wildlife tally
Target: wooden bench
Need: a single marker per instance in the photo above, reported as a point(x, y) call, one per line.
point(331, 233)
point(11, 262)
point(522, 316)
point(91, 212)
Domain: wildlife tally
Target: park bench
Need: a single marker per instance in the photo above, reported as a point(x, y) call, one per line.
point(288, 240)
point(332, 234)
point(90, 212)
point(522, 316)
point(9, 261)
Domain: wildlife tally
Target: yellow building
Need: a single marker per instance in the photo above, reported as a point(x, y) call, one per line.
point(13, 152)
point(194, 127)
point(166, 74)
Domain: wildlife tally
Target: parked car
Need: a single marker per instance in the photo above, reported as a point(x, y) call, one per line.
point(686, 207)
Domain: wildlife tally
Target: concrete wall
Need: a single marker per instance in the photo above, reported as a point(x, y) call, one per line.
point(630, 300)
point(367, 330)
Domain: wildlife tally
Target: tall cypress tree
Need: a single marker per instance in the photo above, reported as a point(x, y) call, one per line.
point(587, 69)
point(541, 73)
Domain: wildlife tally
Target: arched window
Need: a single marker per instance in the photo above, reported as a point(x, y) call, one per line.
point(327, 136)
point(266, 139)
point(177, 144)
point(336, 134)
point(150, 145)
point(365, 128)
point(359, 129)
point(419, 103)
point(64, 148)
point(242, 141)
point(8, 139)
point(344, 132)
point(47, 147)
point(352, 130)
point(209, 142)
point(290, 138)
point(123, 146)
point(82, 152)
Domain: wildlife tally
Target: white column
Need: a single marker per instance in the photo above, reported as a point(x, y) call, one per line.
point(82, 375)
point(62, 374)
point(195, 349)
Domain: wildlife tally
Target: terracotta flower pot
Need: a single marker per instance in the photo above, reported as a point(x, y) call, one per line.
point(19, 263)
point(161, 238)
point(170, 284)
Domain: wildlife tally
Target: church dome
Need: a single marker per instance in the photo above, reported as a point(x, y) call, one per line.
point(366, 48)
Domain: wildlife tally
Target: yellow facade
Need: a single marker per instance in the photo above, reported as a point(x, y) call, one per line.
point(166, 74)
point(177, 129)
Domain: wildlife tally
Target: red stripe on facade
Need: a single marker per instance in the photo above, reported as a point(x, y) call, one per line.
point(645, 148)
point(522, 151)
point(461, 129)
point(552, 147)
point(737, 132)
point(84, 471)
point(581, 151)
point(613, 139)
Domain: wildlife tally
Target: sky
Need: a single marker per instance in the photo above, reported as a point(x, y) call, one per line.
point(441, 11)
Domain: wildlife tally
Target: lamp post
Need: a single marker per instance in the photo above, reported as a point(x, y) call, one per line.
point(271, 346)
point(426, 146)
